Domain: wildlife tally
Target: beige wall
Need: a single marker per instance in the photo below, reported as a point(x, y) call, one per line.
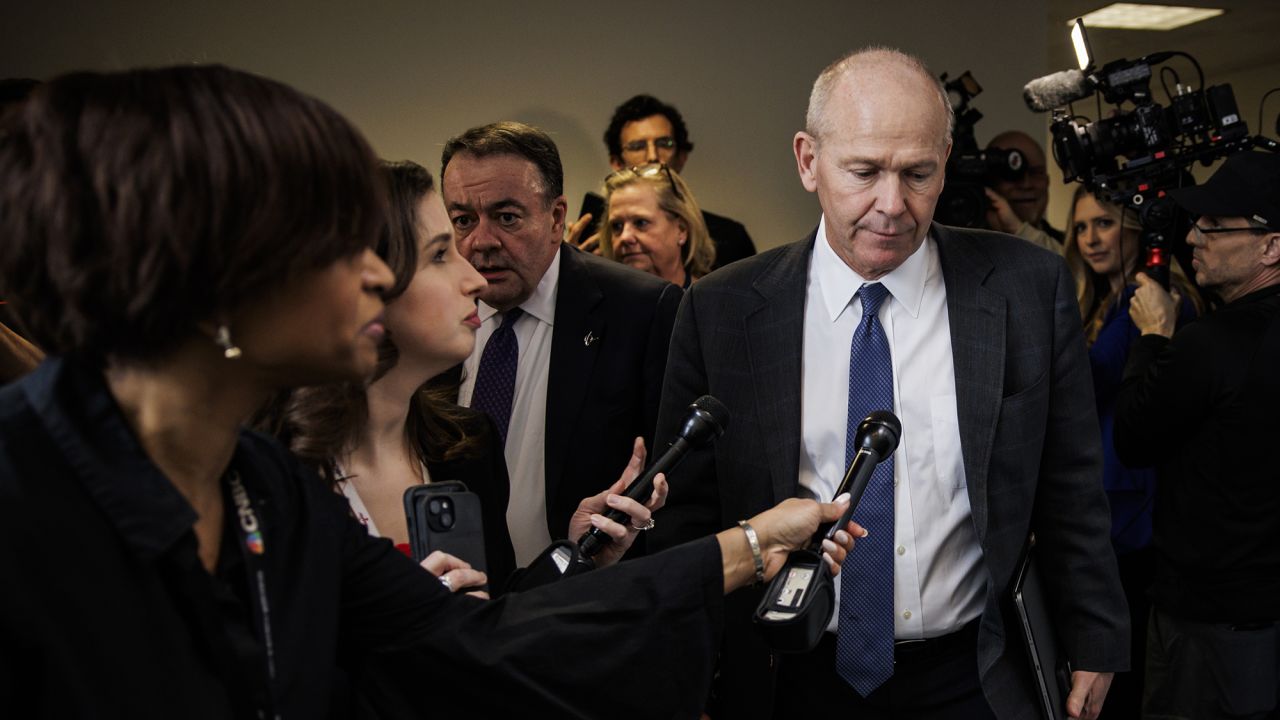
point(410, 74)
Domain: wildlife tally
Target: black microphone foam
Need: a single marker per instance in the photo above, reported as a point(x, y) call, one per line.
point(706, 420)
point(876, 438)
point(879, 431)
point(1053, 91)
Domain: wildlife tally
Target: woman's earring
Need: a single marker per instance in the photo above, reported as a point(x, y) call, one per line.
point(223, 339)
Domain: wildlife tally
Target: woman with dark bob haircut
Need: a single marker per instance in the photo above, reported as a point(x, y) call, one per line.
point(185, 243)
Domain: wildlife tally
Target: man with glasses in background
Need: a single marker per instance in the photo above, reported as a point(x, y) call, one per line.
point(1201, 407)
point(646, 130)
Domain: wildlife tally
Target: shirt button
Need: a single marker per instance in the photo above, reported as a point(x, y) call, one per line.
point(902, 550)
point(906, 615)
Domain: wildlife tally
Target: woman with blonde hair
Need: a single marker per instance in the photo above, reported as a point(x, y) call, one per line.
point(653, 223)
point(1102, 250)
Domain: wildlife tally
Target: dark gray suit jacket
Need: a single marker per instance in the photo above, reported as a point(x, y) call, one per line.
point(1028, 429)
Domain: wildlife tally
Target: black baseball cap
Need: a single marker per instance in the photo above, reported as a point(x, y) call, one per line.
point(1247, 185)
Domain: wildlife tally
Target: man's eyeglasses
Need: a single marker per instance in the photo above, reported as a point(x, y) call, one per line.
point(639, 146)
point(1205, 232)
point(651, 170)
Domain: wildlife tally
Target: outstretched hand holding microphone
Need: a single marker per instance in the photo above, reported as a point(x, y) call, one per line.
point(798, 605)
point(761, 546)
point(706, 420)
point(753, 552)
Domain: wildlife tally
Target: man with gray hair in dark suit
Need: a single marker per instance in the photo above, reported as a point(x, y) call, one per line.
point(973, 339)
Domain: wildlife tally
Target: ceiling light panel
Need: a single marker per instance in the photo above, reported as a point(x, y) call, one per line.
point(1132, 16)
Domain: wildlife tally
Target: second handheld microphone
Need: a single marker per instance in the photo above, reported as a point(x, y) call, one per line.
point(706, 420)
point(798, 605)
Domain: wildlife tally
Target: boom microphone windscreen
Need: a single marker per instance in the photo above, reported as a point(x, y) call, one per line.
point(1053, 91)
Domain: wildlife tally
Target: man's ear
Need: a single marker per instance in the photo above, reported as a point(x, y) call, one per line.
point(942, 172)
point(806, 150)
point(615, 162)
point(559, 210)
point(1271, 250)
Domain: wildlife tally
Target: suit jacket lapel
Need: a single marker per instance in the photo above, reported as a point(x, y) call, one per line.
point(575, 345)
point(977, 319)
point(775, 335)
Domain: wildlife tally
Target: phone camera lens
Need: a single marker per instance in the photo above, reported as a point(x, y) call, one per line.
point(434, 507)
point(446, 519)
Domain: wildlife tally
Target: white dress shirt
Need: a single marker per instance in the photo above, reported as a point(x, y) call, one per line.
point(938, 577)
point(349, 491)
point(526, 435)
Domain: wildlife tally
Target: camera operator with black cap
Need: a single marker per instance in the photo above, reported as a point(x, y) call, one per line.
point(1201, 407)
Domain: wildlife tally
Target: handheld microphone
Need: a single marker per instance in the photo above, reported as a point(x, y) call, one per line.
point(877, 438)
point(798, 605)
point(1057, 89)
point(706, 420)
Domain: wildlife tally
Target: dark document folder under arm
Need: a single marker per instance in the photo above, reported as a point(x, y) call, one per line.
point(1049, 667)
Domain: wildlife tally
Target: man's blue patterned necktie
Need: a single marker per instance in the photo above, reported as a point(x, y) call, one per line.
point(864, 641)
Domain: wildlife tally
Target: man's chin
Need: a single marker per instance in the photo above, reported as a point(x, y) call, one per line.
point(1027, 210)
point(501, 300)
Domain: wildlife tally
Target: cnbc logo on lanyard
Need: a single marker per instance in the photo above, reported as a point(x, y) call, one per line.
point(245, 514)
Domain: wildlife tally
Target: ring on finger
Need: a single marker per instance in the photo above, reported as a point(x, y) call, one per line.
point(648, 525)
point(446, 582)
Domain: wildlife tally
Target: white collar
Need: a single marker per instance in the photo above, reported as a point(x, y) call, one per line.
point(542, 303)
point(838, 283)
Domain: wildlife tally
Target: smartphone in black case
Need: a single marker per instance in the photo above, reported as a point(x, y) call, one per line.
point(445, 516)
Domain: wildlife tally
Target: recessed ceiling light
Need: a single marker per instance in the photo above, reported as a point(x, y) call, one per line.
point(1132, 16)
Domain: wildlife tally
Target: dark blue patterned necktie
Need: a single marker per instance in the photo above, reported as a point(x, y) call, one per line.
point(496, 380)
point(864, 640)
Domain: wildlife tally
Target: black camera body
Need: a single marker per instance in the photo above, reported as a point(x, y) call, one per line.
point(969, 168)
point(1134, 157)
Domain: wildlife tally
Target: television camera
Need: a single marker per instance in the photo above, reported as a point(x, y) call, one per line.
point(1134, 156)
point(969, 168)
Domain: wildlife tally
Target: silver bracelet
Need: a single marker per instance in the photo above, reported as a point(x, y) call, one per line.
point(754, 541)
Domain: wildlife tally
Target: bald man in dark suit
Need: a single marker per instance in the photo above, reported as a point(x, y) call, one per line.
point(986, 367)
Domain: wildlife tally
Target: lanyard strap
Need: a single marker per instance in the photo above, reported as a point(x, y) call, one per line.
point(253, 551)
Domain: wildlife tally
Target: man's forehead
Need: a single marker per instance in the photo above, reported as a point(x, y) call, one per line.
point(887, 152)
point(503, 174)
point(874, 134)
point(656, 125)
